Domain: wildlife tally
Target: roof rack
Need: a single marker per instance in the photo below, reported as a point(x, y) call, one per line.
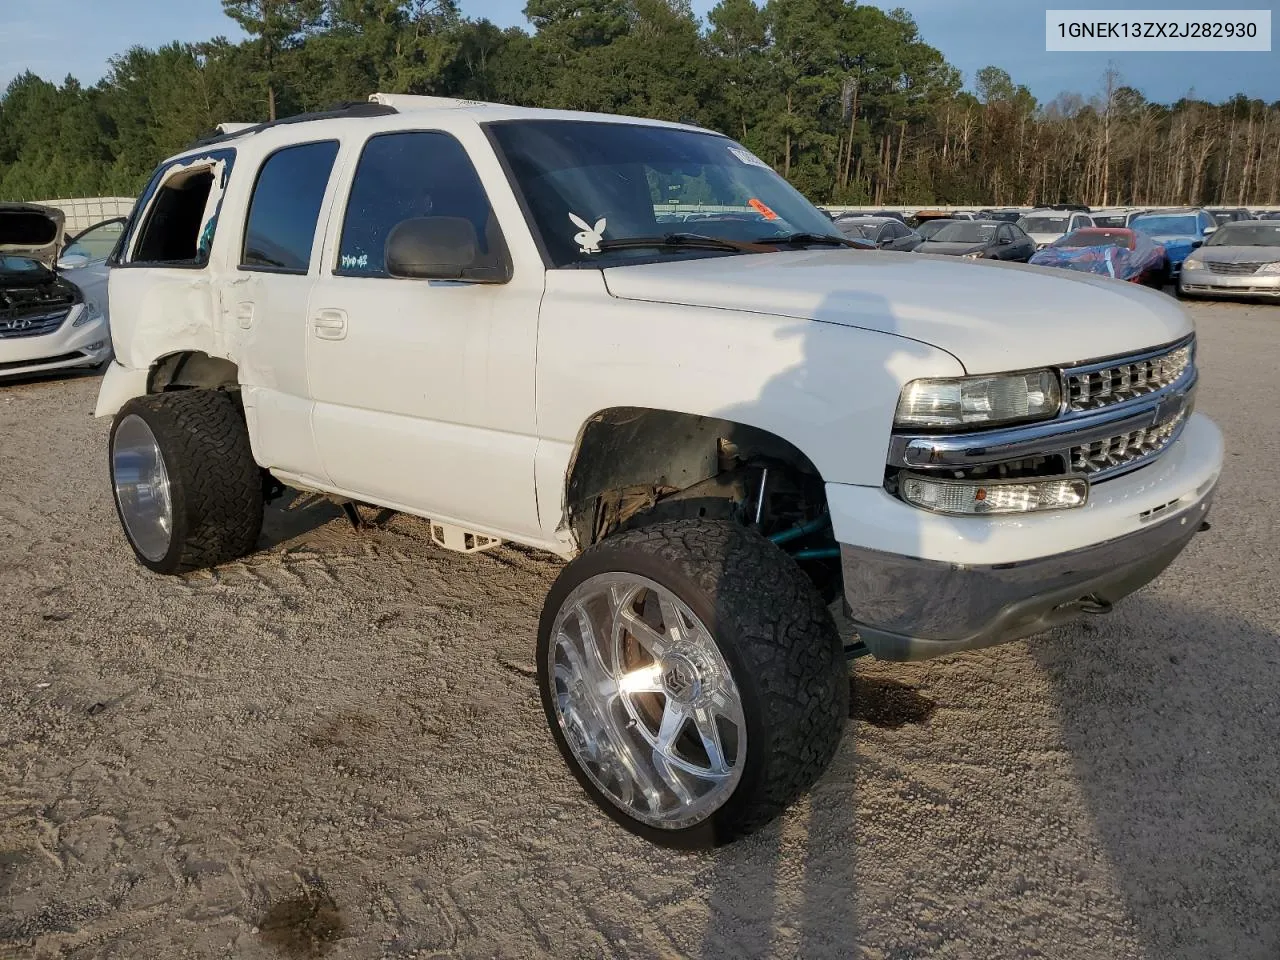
point(233, 131)
point(410, 101)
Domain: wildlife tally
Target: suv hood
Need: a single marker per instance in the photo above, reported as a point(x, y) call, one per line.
point(991, 316)
point(32, 231)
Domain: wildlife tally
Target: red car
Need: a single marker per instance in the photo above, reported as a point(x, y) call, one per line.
point(1110, 252)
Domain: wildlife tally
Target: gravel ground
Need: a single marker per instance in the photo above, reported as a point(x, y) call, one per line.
point(335, 749)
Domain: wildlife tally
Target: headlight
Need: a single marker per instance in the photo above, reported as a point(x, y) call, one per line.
point(1270, 267)
point(976, 497)
point(1192, 263)
point(87, 313)
point(985, 400)
point(971, 256)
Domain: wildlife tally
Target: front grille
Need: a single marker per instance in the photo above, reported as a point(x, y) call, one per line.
point(1233, 269)
point(31, 326)
point(1127, 450)
point(1125, 379)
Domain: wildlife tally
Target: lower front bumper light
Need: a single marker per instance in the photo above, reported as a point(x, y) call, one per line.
point(981, 498)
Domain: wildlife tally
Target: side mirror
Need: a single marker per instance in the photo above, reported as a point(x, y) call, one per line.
point(1197, 243)
point(1003, 241)
point(1209, 230)
point(441, 248)
point(72, 261)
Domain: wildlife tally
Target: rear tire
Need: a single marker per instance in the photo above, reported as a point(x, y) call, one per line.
point(763, 635)
point(187, 490)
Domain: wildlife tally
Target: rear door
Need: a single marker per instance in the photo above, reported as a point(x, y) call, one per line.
point(424, 388)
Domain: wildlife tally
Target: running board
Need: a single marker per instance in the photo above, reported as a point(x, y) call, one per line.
point(461, 540)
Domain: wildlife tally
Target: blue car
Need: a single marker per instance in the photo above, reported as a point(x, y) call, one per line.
point(1178, 231)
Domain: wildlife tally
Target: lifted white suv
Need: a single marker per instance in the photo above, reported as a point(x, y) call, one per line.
point(632, 344)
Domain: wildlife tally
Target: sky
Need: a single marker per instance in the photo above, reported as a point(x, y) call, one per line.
point(78, 36)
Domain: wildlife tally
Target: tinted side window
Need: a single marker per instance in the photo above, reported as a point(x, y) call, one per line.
point(406, 175)
point(286, 201)
point(1004, 233)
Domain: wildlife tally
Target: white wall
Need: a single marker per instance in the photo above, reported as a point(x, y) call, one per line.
point(86, 211)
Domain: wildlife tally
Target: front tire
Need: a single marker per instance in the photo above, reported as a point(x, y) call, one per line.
point(692, 678)
point(187, 490)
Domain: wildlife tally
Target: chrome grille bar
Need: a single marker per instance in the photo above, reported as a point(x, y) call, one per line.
point(1121, 379)
point(31, 326)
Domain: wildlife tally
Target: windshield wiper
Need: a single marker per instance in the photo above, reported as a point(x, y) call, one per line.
point(799, 239)
point(692, 241)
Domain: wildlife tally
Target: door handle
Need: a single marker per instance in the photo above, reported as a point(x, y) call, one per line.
point(330, 324)
point(244, 314)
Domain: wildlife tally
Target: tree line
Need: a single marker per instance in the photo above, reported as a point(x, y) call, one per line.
point(848, 102)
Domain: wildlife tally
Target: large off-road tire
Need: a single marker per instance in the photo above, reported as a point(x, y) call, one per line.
point(692, 678)
point(187, 489)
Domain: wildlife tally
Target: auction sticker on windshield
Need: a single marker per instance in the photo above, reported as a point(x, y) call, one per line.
point(1157, 30)
point(746, 156)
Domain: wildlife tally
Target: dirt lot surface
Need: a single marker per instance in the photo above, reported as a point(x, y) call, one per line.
point(335, 749)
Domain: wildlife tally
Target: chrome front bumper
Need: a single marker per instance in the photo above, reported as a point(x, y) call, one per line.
point(1205, 282)
point(907, 608)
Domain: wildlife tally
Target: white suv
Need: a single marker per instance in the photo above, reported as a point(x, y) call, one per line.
point(493, 317)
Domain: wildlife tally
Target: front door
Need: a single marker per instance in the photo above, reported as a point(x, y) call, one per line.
point(424, 389)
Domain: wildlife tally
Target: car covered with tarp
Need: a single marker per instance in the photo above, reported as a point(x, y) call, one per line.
point(1109, 252)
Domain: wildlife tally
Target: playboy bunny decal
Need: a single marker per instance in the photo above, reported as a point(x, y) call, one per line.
point(588, 240)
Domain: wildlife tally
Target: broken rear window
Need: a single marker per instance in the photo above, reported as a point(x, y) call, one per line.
point(180, 211)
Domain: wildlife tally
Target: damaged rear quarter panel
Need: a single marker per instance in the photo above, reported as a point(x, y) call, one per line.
point(158, 309)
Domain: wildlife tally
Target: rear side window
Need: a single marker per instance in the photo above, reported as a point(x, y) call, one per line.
point(285, 206)
point(406, 175)
point(181, 205)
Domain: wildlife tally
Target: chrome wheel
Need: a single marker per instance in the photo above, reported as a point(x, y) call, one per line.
point(645, 700)
point(142, 487)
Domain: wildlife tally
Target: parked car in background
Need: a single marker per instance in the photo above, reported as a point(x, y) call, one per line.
point(931, 227)
point(1241, 259)
point(1179, 231)
point(1115, 216)
point(981, 240)
point(924, 216)
point(1046, 225)
point(1229, 214)
point(890, 214)
point(46, 322)
point(1108, 252)
point(84, 260)
point(1003, 214)
point(885, 233)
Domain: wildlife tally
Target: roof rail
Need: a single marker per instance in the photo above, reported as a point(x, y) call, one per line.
point(352, 109)
point(410, 101)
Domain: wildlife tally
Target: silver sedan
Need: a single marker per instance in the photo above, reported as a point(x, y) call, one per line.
point(1240, 259)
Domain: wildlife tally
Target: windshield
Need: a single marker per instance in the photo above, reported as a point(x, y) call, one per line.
point(1167, 226)
point(1246, 235)
point(587, 184)
point(965, 232)
point(22, 266)
point(853, 229)
point(1043, 224)
point(1096, 238)
point(930, 227)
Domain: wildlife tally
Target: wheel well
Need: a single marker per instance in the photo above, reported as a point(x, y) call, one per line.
point(192, 369)
point(636, 465)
